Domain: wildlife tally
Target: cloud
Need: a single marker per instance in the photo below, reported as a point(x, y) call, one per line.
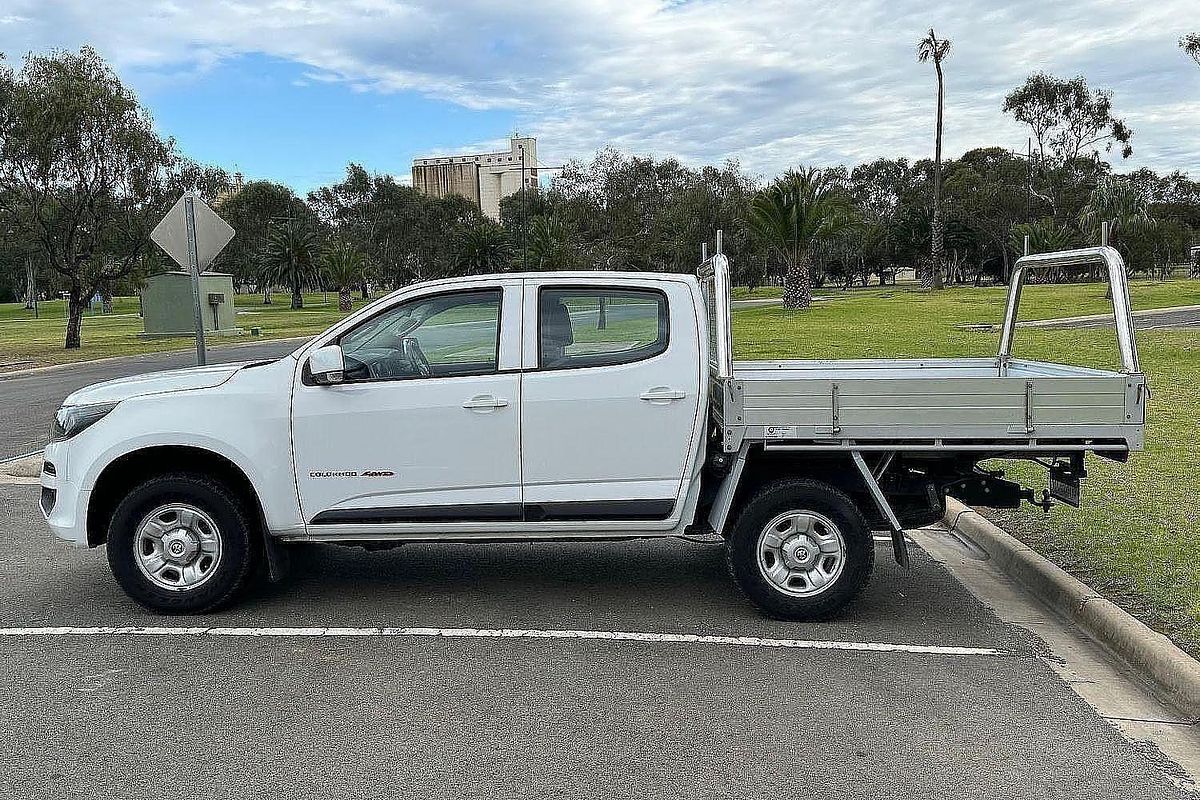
point(771, 82)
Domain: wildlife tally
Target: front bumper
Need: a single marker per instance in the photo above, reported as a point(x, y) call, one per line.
point(63, 504)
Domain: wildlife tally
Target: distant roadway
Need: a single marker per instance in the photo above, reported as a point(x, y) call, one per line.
point(29, 399)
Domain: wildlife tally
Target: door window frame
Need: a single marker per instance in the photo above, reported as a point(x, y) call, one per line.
point(664, 322)
point(498, 290)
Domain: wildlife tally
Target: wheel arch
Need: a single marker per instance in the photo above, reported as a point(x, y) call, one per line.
point(834, 468)
point(131, 468)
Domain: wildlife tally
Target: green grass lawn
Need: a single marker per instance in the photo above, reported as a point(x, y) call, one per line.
point(1137, 537)
point(22, 338)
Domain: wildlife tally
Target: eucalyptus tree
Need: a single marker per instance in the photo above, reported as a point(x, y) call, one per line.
point(83, 173)
point(790, 216)
point(1068, 120)
point(931, 48)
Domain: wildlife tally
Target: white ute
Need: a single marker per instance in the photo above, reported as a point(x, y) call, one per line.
point(567, 406)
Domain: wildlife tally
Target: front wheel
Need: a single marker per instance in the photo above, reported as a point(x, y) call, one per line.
point(800, 550)
point(181, 544)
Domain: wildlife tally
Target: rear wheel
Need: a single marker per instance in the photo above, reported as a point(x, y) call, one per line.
point(800, 550)
point(181, 544)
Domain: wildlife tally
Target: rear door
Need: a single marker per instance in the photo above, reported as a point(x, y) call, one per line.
point(610, 400)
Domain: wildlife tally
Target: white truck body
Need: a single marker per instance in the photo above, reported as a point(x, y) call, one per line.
point(576, 405)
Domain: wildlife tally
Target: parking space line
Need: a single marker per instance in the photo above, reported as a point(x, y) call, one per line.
point(509, 633)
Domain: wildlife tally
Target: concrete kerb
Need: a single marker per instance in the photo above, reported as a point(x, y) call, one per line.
point(1149, 653)
point(26, 469)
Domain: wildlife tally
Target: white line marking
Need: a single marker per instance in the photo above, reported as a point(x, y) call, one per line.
point(509, 633)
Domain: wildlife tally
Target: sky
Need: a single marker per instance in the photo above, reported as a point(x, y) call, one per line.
point(293, 90)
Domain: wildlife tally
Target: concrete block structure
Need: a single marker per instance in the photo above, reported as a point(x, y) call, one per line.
point(484, 178)
point(167, 305)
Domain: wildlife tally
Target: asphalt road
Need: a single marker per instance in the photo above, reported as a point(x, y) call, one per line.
point(1150, 319)
point(318, 717)
point(28, 400)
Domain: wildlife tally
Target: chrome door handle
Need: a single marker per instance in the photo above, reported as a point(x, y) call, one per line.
point(662, 394)
point(485, 401)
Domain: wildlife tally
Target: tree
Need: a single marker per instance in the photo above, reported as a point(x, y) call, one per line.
point(1121, 204)
point(344, 267)
point(481, 248)
point(1191, 46)
point(1045, 236)
point(1067, 119)
point(254, 211)
point(548, 244)
point(987, 188)
point(931, 48)
point(82, 172)
point(790, 216)
point(290, 252)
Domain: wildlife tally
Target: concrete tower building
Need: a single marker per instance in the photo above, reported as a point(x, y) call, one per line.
point(484, 178)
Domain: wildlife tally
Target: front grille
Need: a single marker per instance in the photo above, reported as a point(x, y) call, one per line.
point(49, 496)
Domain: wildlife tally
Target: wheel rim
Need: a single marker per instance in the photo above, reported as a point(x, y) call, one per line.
point(177, 547)
point(801, 553)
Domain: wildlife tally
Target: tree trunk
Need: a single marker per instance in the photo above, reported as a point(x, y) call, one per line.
point(297, 295)
point(366, 291)
point(106, 301)
point(343, 298)
point(76, 303)
point(267, 296)
point(937, 255)
point(797, 283)
point(939, 227)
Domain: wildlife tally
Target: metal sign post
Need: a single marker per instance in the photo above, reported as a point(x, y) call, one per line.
point(189, 208)
point(192, 234)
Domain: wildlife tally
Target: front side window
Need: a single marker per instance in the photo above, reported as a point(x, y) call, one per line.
point(595, 327)
point(431, 337)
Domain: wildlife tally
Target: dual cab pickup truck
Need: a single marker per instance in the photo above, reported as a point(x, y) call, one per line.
point(567, 406)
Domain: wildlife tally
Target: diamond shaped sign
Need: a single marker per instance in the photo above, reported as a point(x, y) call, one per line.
point(212, 232)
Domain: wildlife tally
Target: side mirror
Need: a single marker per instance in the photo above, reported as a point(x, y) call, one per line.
point(327, 365)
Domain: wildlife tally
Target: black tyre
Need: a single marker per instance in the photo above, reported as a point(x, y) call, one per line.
point(800, 549)
point(181, 544)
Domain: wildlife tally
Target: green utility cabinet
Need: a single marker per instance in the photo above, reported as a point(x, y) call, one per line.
point(167, 305)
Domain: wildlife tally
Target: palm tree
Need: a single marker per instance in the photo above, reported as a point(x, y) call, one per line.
point(931, 47)
point(549, 246)
point(790, 216)
point(483, 247)
point(290, 252)
point(1121, 204)
point(1191, 46)
point(343, 266)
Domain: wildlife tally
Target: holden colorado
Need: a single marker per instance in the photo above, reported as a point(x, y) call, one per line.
point(569, 406)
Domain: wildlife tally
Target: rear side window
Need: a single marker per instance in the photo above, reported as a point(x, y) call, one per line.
point(598, 327)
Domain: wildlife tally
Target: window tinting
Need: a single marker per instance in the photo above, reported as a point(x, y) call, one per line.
point(587, 327)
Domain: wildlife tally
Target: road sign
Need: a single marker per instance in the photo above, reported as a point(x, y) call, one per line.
point(212, 232)
point(193, 234)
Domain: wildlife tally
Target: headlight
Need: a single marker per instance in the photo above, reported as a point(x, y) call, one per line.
point(70, 420)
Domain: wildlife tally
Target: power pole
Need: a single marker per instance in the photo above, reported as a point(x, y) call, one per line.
point(524, 215)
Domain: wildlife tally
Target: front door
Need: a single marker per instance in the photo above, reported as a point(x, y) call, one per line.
point(425, 428)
